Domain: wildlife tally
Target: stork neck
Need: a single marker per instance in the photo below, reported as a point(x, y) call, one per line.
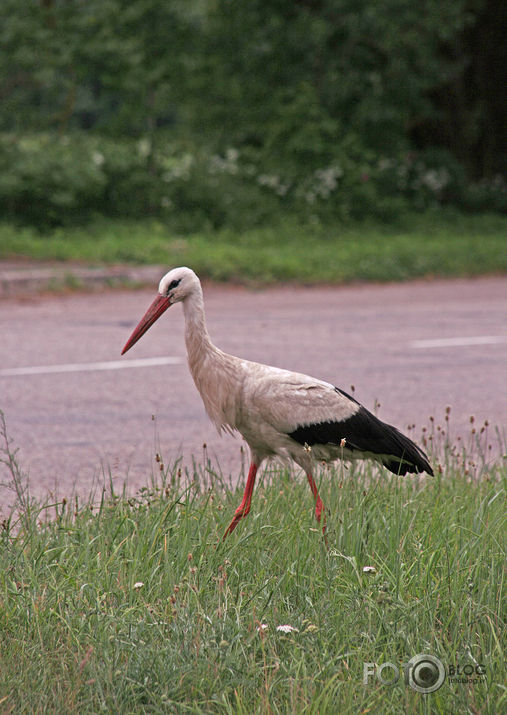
point(214, 372)
point(197, 338)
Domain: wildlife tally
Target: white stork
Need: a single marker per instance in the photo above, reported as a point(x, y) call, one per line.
point(278, 412)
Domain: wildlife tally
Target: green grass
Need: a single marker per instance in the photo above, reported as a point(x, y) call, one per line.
point(440, 243)
point(137, 606)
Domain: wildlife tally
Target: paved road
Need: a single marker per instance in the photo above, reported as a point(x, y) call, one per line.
point(76, 416)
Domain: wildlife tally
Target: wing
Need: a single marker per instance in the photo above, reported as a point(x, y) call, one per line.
point(288, 400)
point(312, 412)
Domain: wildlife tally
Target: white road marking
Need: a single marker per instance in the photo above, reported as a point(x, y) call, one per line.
point(157, 361)
point(459, 342)
point(89, 366)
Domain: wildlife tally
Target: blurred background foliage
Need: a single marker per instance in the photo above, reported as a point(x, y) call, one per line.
point(223, 113)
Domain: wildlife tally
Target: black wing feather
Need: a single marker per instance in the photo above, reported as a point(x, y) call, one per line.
point(363, 432)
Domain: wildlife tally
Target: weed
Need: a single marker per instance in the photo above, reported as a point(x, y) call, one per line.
point(437, 244)
point(138, 606)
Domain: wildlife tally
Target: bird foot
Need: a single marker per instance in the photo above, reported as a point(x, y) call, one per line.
point(240, 514)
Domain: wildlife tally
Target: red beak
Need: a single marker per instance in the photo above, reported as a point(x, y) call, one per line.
point(159, 306)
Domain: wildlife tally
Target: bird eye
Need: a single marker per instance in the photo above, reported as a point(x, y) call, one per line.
point(173, 284)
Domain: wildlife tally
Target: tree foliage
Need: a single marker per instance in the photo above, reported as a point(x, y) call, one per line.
point(297, 87)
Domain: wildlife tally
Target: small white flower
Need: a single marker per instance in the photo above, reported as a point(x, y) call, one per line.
point(144, 147)
point(262, 627)
point(98, 158)
point(287, 629)
point(226, 165)
point(436, 179)
point(270, 180)
point(232, 154)
point(369, 569)
point(138, 585)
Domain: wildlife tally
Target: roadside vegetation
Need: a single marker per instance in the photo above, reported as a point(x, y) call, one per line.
point(134, 604)
point(439, 243)
point(258, 141)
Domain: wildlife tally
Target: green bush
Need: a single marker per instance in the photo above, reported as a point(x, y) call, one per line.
point(43, 180)
point(48, 180)
point(486, 195)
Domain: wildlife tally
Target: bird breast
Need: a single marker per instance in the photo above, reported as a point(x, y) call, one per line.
point(219, 383)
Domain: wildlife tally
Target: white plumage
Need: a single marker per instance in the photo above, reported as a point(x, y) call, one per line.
point(278, 412)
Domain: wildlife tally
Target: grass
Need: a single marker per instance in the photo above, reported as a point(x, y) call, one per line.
point(135, 605)
point(439, 243)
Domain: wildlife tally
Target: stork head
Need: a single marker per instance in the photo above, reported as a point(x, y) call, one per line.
point(174, 287)
point(178, 284)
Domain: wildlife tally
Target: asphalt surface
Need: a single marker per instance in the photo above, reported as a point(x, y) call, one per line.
point(80, 419)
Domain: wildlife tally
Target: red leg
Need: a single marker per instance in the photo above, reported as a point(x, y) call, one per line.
point(244, 507)
point(319, 506)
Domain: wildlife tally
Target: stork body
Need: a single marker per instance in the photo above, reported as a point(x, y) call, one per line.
point(278, 412)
